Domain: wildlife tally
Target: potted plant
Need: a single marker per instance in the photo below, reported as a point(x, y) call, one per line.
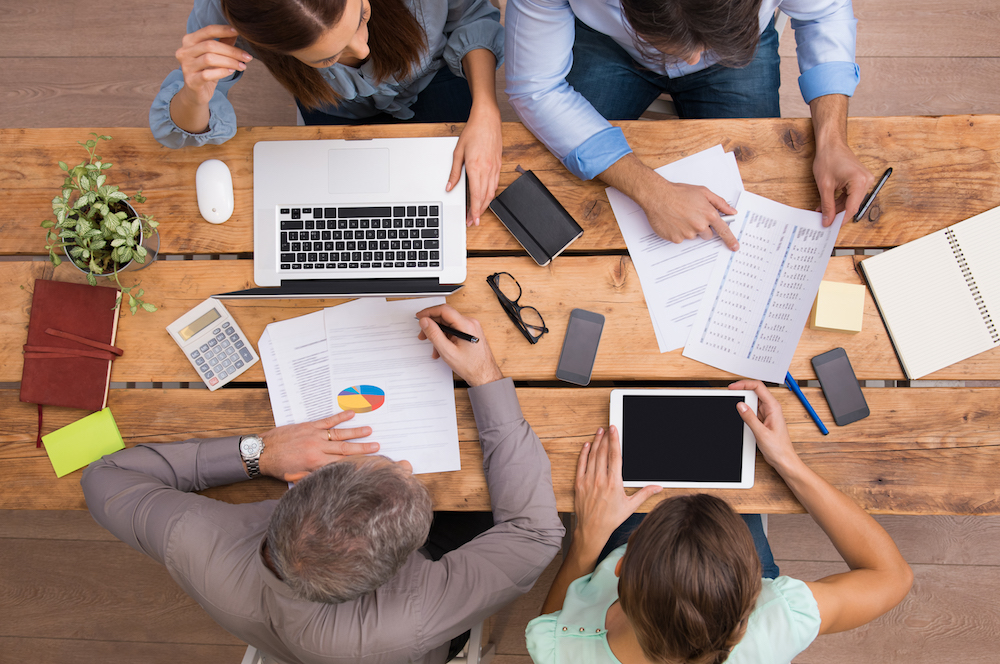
point(97, 228)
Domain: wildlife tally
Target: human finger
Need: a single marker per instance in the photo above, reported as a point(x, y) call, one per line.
point(581, 461)
point(477, 197)
point(827, 201)
point(215, 31)
point(856, 190)
point(334, 420)
point(343, 448)
point(349, 434)
point(457, 159)
point(615, 453)
point(725, 234)
point(451, 317)
point(642, 495)
point(751, 420)
point(212, 59)
point(192, 46)
point(437, 337)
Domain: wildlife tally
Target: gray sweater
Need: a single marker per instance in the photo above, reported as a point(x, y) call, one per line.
point(212, 549)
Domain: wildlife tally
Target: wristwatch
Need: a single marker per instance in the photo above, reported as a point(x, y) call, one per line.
point(250, 449)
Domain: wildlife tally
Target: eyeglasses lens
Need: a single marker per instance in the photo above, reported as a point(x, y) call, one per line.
point(509, 287)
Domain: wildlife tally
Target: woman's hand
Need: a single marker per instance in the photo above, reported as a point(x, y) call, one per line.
point(293, 451)
point(601, 502)
point(207, 56)
point(768, 426)
point(480, 148)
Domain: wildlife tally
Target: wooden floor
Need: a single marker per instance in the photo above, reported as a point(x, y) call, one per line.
point(71, 592)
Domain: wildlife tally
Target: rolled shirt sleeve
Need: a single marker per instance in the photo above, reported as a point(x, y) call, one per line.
point(825, 38)
point(539, 41)
point(222, 119)
point(472, 24)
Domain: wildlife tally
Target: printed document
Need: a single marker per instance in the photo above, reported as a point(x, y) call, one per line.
point(674, 276)
point(758, 298)
point(365, 356)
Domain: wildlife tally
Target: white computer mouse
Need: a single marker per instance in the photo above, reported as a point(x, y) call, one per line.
point(214, 184)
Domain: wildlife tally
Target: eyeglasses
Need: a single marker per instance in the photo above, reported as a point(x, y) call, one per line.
point(527, 319)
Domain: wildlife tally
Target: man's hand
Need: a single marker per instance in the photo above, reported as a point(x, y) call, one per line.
point(836, 168)
point(677, 212)
point(473, 362)
point(768, 426)
point(601, 503)
point(293, 451)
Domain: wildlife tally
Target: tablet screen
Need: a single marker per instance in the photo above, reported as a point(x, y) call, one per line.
point(681, 439)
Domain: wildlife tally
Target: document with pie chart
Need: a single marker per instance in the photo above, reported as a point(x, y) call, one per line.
point(381, 371)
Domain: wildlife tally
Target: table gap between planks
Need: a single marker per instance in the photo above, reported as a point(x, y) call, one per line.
point(922, 451)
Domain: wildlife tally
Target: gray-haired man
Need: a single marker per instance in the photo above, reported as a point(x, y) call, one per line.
point(332, 571)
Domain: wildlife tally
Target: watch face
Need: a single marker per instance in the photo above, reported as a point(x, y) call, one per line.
point(251, 446)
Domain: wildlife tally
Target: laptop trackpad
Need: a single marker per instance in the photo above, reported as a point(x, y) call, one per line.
point(359, 171)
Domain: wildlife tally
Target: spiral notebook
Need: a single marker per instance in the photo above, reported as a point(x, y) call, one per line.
point(940, 295)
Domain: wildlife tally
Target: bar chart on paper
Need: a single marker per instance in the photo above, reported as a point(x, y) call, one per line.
point(361, 398)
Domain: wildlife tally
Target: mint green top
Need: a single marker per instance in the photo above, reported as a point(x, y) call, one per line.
point(784, 622)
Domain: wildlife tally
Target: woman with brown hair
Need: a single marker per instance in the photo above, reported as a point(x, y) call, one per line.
point(346, 62)
point(687, 586)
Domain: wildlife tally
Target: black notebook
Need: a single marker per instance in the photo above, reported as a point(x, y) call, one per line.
point(940, 295)
point(535, 218)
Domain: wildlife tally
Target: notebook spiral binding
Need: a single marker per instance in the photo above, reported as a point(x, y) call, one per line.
point(973, 288)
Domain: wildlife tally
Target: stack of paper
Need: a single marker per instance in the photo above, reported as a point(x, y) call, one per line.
point(739, 311)
point(674, 276)
point(365, 356)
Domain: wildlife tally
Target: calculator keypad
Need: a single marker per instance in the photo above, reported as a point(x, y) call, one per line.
point(224, 354)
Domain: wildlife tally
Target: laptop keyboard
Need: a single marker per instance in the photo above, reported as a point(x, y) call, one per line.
point(371, 238)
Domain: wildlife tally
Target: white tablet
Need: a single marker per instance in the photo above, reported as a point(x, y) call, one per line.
point(685, 438)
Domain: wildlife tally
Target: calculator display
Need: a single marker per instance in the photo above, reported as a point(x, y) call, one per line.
point(199, 325)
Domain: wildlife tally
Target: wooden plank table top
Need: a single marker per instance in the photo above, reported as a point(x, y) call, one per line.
point(926, 451)
point(945, 169)
point(922, 450)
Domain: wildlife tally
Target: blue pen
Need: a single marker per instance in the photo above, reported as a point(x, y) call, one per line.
point(794, 387)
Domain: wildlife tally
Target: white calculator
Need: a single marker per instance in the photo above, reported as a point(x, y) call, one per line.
point(213, 343)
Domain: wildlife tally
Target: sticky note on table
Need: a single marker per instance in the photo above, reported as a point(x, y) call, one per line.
point(838, 307)
point(82, 442)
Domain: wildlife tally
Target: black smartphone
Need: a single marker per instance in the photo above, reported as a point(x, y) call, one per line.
point(840, 387)
point(583, 335)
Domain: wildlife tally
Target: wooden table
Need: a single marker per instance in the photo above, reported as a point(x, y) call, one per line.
point(922, 450)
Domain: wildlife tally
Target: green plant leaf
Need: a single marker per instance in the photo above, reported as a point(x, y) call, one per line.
point(141, 250)
point(62, 165)
point(91, 279)
point(133, 310)
point(101, 179)
point(75, 251)
point(103, 138)
point(139, 294)
point(90, 142)
point(85, 183)
point(65, 193)
point(48, 223)
point(148, 307)
point(98, 244)
point(55, 259)
point(105, 166)
point(116, 196)
point(91, 167)
point(117, 242)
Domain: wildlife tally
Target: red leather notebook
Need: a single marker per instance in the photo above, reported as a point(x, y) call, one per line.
point(71, 336)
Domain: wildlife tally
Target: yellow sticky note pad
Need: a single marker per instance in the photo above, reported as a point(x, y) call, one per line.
point(82, 442)
point(838, 307)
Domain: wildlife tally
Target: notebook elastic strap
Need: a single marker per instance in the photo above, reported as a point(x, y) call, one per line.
point(83, 340)
point(38, 440)
point(55, 352)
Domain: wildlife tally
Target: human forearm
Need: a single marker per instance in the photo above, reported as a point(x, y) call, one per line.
point(136, 492)
point(480, 70)
point(859, 539)
point(581, 559)
point(829, 119)
point(188, 113)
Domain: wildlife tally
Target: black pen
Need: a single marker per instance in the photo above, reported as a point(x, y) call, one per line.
point(456, 333)
point(871, 197)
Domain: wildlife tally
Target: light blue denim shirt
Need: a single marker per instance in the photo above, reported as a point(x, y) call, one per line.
point(453, 28)
point(540, 36)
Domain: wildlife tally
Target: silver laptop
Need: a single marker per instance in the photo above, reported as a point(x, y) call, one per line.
point(343, 218)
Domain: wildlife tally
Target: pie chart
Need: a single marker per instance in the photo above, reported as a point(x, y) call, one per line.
point(361, 398)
